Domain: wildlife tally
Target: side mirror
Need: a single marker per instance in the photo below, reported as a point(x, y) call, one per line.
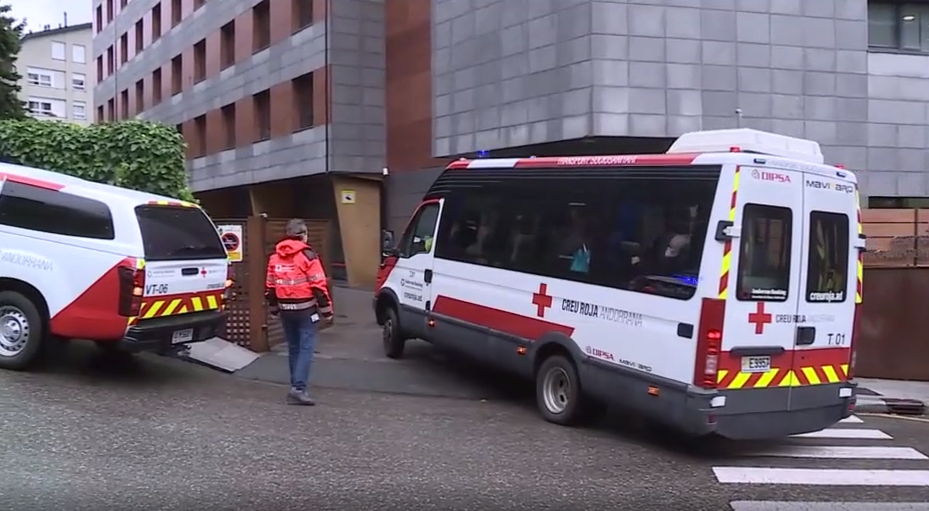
point(387, 240)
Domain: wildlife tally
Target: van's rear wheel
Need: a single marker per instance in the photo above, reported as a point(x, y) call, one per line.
point(559, 396)
point(393, 338)
point(21, 331)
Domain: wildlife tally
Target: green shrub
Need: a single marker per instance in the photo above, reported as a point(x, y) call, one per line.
point(139, 155)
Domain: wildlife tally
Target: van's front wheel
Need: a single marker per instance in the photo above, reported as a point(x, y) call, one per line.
point(392, 336)
point(559, 395)
point(21, 331)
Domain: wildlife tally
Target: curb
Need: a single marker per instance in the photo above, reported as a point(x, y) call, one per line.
point(887, 405)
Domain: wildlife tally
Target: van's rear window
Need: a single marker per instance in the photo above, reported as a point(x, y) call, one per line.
point(764, 255)
point(178, 233)
point(827, 273)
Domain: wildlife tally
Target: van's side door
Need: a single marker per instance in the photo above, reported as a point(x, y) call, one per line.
point(829, 281)
point(764, 287)
point(411, 278)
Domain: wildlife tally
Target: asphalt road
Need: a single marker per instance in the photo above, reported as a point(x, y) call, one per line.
point(92, 434)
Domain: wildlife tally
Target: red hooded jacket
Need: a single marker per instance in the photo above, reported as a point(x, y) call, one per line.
point(296, 280)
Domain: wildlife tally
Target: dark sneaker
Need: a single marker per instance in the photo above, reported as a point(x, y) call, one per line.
point(299, 397)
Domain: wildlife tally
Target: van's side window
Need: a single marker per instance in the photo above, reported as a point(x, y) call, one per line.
point(418, 238)
point(764, 256)
point(827, 273)
point(633, 233)
point(31, 207)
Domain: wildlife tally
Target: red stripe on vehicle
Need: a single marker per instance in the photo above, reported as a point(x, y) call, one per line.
point(31, 181)
point(508, 322)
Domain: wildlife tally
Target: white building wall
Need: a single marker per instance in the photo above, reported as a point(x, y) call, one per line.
point(55, 77)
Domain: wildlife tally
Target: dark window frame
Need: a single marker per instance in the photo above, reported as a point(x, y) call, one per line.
point(60, 212)
point(196, 233)
point(841, 263)
point(898, 10)
point(768, 212)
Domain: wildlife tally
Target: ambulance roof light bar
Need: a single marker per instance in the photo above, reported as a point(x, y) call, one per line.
point(748, 140)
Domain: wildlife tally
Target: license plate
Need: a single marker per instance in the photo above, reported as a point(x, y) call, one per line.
point(182, 336)
point(756, 364)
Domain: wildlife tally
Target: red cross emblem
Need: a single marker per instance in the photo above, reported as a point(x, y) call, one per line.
point(203, 272)
point(759, 318)
point(541, 300)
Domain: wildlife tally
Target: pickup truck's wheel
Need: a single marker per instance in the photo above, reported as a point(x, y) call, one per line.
point(21, 331)
point(393, 338)
point(559, 396)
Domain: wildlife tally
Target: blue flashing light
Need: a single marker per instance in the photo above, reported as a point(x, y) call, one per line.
point(483, 154)
point(690, 280)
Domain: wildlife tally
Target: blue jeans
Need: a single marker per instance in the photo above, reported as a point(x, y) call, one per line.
point(300, 332)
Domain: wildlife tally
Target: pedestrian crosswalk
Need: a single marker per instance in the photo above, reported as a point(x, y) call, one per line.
point(849, 454)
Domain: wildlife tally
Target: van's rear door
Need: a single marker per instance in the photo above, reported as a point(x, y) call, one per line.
point(829, 282)
point(764, 290)
point(185, 261)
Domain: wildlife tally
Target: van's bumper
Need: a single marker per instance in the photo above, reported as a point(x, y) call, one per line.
point(765, 413)
point(156, 334)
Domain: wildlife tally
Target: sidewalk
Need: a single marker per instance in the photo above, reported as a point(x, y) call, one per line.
point(892, 396)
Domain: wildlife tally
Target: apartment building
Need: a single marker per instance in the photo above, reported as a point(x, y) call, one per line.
point(54, 66)
point(295, 107)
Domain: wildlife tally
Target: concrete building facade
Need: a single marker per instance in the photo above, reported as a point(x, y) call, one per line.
point(408, 85)
point(56, 84)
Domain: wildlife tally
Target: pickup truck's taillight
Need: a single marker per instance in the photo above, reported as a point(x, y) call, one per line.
point(131, 290)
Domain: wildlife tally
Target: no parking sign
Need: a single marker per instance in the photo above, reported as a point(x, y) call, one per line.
point(231, 235)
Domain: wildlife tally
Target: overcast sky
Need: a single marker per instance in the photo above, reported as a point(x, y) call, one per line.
point(51, 12)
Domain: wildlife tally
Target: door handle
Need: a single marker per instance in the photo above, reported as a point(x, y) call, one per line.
point(806, 335)
point(427, 276)
point(187, 272)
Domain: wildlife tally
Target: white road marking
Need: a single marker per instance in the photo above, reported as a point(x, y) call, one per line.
point(841, 452)
point(851, 419)
point(748, 505)
point(869, 434)
point(821, 477)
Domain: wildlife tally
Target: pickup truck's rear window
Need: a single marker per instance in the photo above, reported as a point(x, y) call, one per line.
point(178, 233)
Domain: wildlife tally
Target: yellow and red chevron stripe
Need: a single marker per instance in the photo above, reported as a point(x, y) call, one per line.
point(177, 203)
point(173, 305)
point(727, 249)
point(860, 287)
point(804, 376)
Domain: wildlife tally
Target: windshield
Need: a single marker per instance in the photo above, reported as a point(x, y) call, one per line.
point(178, 233)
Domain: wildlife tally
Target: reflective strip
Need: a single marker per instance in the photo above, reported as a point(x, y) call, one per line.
point(860, 270)
point(290, 282)
point(212, 302)
point(170, 306)
point(802, 377)
point(180, 203)
point(296, 306)
point(727, 248)
point(140, 264)
point(325, 310)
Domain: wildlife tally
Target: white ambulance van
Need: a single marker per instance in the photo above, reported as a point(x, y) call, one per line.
point(80, 260)
point(714, 288)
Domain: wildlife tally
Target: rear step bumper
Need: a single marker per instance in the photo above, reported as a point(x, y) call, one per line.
point(155, 334)
point(753, 414)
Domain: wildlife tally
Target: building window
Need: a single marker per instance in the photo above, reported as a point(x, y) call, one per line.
point(156, 87)
point(177, 68)
point(139, 96)
point(111, 109)
point(302, 14)
point(262, 102)
point(124, 104)
point(100, 18)
point(110, 11)
point(40, 77)
point(176, 6)
point(110, 60)
point(100, 68)
point(261, 26)
point(200, 134)
point(139, 37)
point(58, 50)
point(198, 4)
point(78, 81)
point(46, 107)
point(228, 114)
point(156, 22)
point(79, 53)
point(79, 110)
point(123, 4)
point(303, 100)
point(898, 26)
point(123, 49)
point(200, 61)
point(100, 117)
point(227, 45)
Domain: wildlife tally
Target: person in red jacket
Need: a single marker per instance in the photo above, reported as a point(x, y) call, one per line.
point(297, 290)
